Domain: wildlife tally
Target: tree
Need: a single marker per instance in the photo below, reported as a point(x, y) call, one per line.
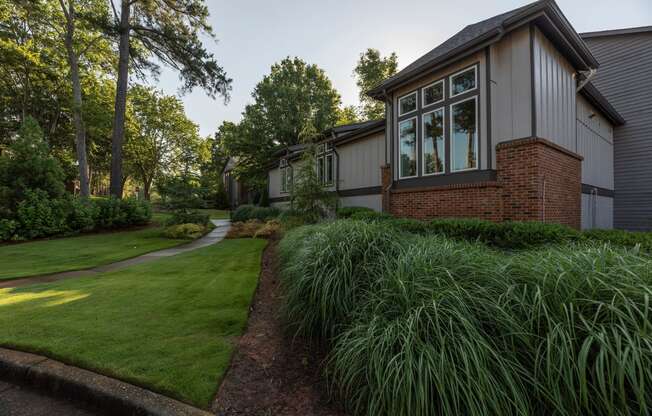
point(71, 21)
point(164, 140)
point(348, 115)
point(167, 30)
point(293, 94)
point(370, 71)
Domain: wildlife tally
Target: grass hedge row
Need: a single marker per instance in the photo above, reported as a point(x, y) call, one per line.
point(427, 325)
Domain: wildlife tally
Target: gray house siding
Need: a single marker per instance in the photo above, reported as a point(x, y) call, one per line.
point(360, 162)
point(625, 79)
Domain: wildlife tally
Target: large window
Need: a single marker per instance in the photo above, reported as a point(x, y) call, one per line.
point(408, 148)
point(325, 165)
point(407, 104)
point(330, 169)
point(286, 177)
point(433, 142)
point(464, 134)
point(463, 81)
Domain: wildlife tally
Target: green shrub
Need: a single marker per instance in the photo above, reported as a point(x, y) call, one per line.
point(621, 238)
point(184, 216)
point(370, 216)
point(346, 212)
point(39, 216)
point(81, 214)
point(184, 231)
point(116, 213)
point(7, 229)
point(409, 225)
point(250, 212)
point(426, 325)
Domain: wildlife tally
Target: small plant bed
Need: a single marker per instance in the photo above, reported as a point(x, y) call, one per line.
point(167, 326)
point(429, 325)
point(272, 373)
point(81, 252)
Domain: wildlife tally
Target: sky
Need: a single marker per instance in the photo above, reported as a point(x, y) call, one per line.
point(254, 34)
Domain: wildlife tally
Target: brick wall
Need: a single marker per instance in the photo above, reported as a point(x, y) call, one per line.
point(479, 200)
point(541, 182)
point(536, 181)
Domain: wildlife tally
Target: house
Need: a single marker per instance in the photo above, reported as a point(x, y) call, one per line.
point(237, 193)
point(505, 120)
point(625, 79)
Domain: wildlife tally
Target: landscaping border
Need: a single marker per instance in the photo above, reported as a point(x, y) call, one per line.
point(110, 395)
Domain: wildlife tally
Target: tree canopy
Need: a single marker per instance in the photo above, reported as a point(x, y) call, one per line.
point(370, 71)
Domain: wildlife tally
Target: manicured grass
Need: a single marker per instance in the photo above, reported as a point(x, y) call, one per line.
point(74, 253)
point(166, 325)
point(216, 214)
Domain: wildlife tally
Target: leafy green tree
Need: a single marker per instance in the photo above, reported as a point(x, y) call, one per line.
point(28, 166)
point(370, 71)
point(348, 115)
point(167, 31)
point(293, 94)
point(164, 140)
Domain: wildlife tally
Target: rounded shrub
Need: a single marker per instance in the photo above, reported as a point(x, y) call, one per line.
point(185, 216)
point(250, 212)
point(184, 231)
point(346, 212)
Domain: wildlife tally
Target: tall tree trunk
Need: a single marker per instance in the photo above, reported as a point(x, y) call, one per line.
point(117, 180)
point(80, 128)
point(147, 185)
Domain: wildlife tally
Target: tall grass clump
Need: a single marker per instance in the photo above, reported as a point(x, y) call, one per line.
point(326, 270)
point(428, 325)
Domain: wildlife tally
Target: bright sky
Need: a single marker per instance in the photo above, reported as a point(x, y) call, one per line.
point(253, 34)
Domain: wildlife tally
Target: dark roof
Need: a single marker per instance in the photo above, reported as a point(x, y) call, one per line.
point(368, 127)
point(616, 32)
point(348, 128)
point(488, 30)
point(593, 95)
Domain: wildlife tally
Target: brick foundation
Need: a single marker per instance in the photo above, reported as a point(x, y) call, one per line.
point(536, 181)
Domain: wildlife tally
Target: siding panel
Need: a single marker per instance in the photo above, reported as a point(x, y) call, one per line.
point(625, 79)
point(595, 144)
point(360, 162)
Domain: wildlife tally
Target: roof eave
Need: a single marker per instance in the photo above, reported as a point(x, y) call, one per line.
point(593, 95)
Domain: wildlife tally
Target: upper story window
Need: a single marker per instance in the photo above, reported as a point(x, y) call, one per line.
point(433, 142)
point(407, 132)
point(464, 134)
point(433, 93)
point(407, 104)
point(463, 81)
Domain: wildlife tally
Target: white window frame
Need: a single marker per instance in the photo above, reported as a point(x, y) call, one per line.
point(423, 140)
point(328, 182)
point(477, 133)
point(423, 95)
point(416, 143)
point(416, 103)
point(474, 68)
point(284, 184)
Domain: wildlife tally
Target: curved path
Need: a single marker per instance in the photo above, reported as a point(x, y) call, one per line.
point(221, 228)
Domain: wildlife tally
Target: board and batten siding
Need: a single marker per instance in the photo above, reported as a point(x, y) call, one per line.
point(625, 79)
point(274, 183)
point(595, 144)
point(360, 162)
point(554, 93)
point(511, 88)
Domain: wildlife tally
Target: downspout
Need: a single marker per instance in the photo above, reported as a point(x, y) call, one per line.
point(390, 160)
point(588, 75)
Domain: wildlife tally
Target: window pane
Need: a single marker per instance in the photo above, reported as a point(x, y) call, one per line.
point(320, 169)
point(464, 135)
point(463, 82)
point(408, 147)
point(433, 142)
point(329, 169)
point(433, 93)
point(283, 179)
point(407, 104)
point(289, 179)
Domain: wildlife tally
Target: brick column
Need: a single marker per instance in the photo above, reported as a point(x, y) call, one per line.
point(386, 180)
point(541, 181)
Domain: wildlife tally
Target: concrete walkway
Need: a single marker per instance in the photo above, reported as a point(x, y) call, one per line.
point(215, 236)
point(16, 400)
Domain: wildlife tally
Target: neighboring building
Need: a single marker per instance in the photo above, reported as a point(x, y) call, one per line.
point(625, 78)
point(236, 192)
point(501, 122)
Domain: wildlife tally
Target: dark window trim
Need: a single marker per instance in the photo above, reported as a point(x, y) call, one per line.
point(371, 190)
point(416, 104)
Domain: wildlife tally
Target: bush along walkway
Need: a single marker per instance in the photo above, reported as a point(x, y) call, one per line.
point(221, 228)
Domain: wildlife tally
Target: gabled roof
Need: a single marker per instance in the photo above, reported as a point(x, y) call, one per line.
point(593, 95)
point(617, 32)
point(490, 31)
point(366, 129)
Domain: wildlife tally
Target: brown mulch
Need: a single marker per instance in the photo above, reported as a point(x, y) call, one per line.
point(272, 373)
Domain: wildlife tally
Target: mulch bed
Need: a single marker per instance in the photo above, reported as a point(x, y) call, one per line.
point(272, 373)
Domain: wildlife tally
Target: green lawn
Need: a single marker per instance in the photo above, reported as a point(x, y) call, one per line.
point(74, 253)
point(166, 325)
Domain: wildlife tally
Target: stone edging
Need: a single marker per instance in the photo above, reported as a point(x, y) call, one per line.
point(110, 395)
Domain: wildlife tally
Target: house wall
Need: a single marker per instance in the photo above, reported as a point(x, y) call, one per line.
point(511, 88)
point(274, 183)
point(360, 162)
point(625, 79)
point(370, 201)
point(594, 138)
point(597, 211)
point(554, 93)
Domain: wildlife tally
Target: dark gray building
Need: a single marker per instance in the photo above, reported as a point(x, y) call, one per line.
point(625, 79)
